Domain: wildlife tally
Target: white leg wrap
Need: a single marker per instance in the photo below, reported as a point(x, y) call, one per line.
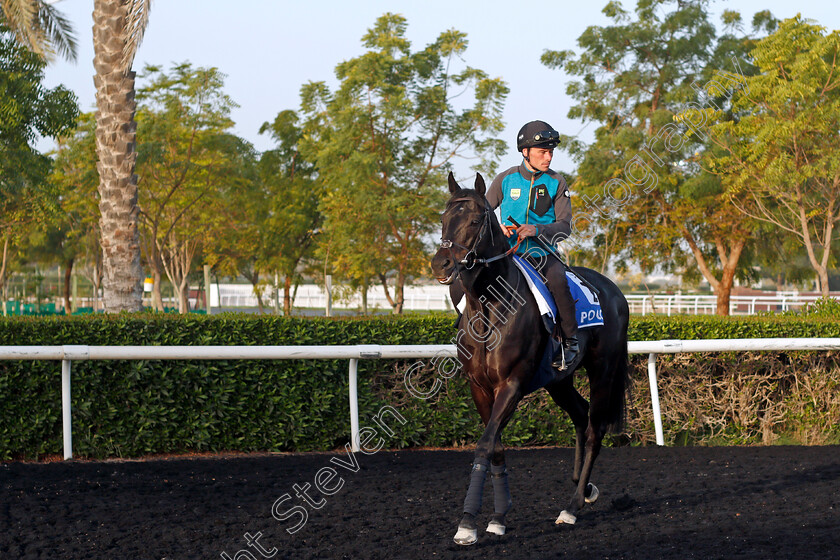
point(565, 517)
point(466, 536)
point(593, 493)
point(496, 528)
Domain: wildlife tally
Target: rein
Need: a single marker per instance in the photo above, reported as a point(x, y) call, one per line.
point(471, 259)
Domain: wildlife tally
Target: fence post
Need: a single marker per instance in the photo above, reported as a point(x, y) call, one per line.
point(354, 404)
point(207, 305)
point(66, 416)
point(654, 399)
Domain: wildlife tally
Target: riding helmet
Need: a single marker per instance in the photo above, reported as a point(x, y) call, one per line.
point(537, 134)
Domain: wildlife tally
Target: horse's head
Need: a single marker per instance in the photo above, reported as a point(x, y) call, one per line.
point(468, 231)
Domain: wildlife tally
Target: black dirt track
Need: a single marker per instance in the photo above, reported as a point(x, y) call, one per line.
point(700, 502)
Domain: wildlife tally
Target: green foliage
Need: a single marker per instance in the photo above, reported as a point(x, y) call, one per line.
point(824, 307)
point(188, 162)
point(383, 143)
point(696, 327)
point(69, 236)
point(286, 210)
point(779, 158)
point(123, 408)
point(27, 110)
point(640, 195)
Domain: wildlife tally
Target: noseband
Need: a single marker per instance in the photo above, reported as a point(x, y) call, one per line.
point(471, 259)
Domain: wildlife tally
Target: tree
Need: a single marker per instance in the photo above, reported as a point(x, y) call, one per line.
point(644, 196)
point(27, 109)
point(289, 181)
point(38, 26)
point(383, 143)
point(781, 158)
point(185, 158)
point(73, 235)
point(236, 246)
point(117, 31)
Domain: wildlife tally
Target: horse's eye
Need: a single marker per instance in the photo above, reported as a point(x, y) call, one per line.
point(476, 222)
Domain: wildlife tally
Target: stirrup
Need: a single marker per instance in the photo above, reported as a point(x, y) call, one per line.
point(568, 353)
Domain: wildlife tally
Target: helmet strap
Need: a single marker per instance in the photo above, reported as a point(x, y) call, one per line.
point(534, 172)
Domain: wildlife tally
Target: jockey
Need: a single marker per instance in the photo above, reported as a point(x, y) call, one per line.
point(538, 199)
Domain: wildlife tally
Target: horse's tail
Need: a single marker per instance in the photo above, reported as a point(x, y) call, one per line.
point(619, 389)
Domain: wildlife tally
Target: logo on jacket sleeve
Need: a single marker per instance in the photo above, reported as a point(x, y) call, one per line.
point(515, 194)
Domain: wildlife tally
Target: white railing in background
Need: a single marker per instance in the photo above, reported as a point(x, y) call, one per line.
point(68, 354)
point(417, 298)
point(436, 298)
point(669, 304)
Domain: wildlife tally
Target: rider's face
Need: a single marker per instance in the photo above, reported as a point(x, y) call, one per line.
point(539, 158)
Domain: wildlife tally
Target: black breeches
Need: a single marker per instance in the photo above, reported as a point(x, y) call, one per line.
point(555, 279)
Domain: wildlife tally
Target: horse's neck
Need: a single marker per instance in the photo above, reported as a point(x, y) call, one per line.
point(496, 286)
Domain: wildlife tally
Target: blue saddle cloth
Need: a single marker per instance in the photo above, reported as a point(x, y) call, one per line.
point(587, 312)
point(587, 307)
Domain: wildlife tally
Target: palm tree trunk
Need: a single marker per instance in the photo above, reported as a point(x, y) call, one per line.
point(115, 149)
point(287, 296)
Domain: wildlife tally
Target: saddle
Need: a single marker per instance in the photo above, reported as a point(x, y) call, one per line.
point(587, 307)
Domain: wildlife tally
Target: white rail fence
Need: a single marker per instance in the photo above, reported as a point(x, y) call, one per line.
point(436, 298)
point(670, 304)
point(70, 353)
point(417, 298)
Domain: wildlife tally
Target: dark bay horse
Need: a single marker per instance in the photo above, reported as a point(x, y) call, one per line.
point(501, 342)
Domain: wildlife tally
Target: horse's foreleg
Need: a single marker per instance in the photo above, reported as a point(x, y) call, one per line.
point(489, 446)
point(501, 499)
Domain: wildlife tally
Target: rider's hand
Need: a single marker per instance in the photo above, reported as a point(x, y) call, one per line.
point(527, 230)
point(508, 230)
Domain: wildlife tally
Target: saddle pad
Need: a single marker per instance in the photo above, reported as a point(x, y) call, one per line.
point(587, 307)
point(545, 302)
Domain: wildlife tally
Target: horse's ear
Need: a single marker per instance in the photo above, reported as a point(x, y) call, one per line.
point(453, 184)
point(480, 187)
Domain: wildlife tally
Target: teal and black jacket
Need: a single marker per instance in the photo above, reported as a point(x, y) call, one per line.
point(541, 199)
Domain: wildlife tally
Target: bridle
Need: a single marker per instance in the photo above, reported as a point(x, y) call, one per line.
point(471, 259)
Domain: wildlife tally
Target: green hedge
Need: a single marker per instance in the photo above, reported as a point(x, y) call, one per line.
point(123, 408)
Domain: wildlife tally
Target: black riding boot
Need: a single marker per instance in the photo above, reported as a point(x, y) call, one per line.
point(568, 352)
point(566, 329)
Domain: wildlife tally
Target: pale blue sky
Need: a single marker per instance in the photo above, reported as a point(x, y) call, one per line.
point(268, 49)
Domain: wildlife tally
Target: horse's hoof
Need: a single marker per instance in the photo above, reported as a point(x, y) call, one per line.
point(565, 517)
point(593, 493)
point(496, 528)
point(465, 536)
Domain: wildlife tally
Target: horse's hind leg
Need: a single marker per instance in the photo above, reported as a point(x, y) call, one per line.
point(593, 438)
point(566, 397)
point(489, 447)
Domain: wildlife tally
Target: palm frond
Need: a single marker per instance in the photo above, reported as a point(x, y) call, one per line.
point(20, 17)
point(137, 21)
point(58, 31)
point(40, 27)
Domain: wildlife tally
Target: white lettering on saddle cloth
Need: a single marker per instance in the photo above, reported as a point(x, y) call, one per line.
point(590, 316)
point(587, 306)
